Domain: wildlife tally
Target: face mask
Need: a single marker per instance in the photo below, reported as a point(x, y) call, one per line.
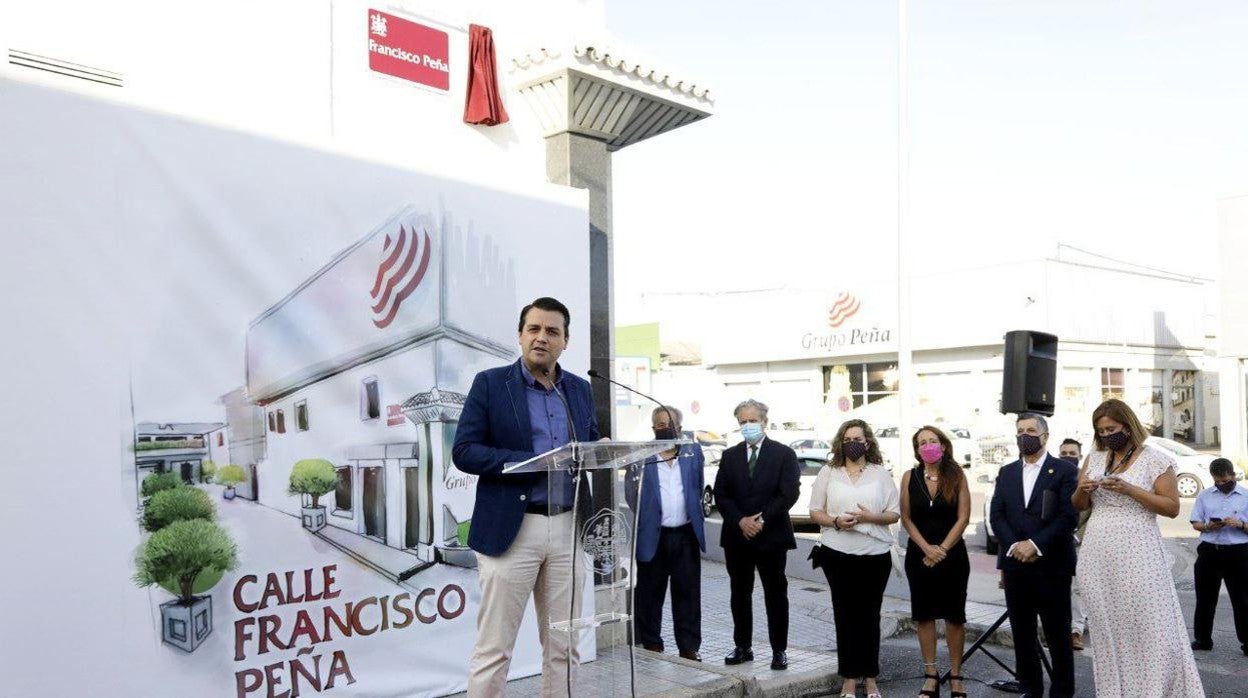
point(1073, 460)
point(751, 431)
point(1226, 487)
point(1116, 441)
point(853, 450)
point(1028, 444)
point(931, 453)
point(666, 434)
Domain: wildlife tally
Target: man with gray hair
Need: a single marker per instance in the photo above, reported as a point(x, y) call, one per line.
point(1034, 520)
point(758, 482)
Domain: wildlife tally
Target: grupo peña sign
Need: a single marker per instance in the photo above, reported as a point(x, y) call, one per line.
point(407, 50)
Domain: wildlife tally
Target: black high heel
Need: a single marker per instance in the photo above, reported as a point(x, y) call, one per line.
point(930, 692)
point(953, 693)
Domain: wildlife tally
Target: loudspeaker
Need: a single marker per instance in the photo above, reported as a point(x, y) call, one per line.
point(1030, 375)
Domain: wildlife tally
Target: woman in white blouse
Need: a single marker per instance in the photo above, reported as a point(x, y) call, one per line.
point(854, 502)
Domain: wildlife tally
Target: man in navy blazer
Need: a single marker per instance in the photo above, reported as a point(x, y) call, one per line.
point(522, 525)
point(670, 539)
point(1035, 521)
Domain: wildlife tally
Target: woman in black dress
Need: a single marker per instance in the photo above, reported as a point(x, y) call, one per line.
point(935, 509)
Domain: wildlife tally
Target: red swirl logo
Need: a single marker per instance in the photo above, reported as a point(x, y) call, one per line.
point(403, 265)
point(844, 308)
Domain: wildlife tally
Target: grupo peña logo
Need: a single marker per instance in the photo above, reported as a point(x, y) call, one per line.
point(845, 306)
point(404, 262)
point(605, 533)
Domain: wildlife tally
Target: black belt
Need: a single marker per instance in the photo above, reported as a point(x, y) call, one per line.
point(676, 529)
point(546, 509)
point(1224, 546)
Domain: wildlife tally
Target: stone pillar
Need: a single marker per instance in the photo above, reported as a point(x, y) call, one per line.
point(585, 163)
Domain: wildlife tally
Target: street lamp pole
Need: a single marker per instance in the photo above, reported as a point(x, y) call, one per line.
point(905, 368)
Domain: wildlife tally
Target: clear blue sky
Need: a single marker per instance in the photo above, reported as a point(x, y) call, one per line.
point(1113, 126)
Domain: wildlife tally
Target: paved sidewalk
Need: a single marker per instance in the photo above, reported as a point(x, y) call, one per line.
point(812, 647)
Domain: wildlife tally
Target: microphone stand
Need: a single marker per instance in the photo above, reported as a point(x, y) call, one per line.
point(577, 457)
point(632, 560)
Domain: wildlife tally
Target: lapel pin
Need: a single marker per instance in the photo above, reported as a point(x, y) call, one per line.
point(1050, 471)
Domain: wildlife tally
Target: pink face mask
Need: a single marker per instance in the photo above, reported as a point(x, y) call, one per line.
point(931, 453)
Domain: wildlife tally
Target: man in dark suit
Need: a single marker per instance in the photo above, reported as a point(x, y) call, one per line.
point(758, 482)
point(522, 524)
point(1034, 520)
point(670, 539)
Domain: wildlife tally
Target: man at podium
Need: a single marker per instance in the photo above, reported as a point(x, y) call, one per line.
point(513, 413)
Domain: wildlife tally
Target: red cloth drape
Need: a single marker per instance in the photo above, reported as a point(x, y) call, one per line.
point(483, 103)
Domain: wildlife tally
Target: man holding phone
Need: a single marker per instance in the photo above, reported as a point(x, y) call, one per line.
point(1221, 516)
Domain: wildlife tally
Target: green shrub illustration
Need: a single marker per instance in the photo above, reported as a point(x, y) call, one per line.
point(183, 556)
point(157, 482)
point(207, 470)
point(313, 477)
point(177, 504)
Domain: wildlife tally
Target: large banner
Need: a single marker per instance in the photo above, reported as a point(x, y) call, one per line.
point(233, 371)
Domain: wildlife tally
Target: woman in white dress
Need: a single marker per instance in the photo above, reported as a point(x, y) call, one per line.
point(1139, 641)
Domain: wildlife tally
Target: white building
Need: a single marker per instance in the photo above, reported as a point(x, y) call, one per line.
point(818, 357)
point(367, 363)
point(1233, 335)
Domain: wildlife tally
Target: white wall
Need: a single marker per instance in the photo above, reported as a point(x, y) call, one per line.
point(298, 70)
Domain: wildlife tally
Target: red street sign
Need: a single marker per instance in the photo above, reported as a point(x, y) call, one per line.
point(408, 50)
point(393, 416)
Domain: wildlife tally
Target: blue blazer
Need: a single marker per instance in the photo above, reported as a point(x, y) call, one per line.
point(494, 430)
point(650, 516)
point(1050, 525)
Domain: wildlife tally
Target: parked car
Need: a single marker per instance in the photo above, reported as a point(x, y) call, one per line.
point(712, 444)
point(800, 511)
point(812, 448)
point(1191, 471)
point(1192, 466)
point(965, 449)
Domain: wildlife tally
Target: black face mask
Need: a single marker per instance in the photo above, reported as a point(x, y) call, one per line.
point(853, 450)
point(1116, 441)
point(1226, 487)
point(1073, 460)
point(666, 434)
point(1029, 444)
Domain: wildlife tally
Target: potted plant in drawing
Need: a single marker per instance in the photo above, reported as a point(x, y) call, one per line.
point(187, 554)
point(230, 475)
point(313, 477)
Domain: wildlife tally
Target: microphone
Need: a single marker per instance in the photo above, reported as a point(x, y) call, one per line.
point(671, 422)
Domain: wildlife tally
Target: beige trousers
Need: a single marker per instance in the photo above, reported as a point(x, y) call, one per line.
point(538, 563)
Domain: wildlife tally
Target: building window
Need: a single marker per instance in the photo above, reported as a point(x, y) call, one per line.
point(281, 422)
point(370, 399)
point(220, 438)
point(272, 422)
point(850, 386)
point(301, 415)
point(342, 494)
point(1113, 381)
point(1183, 406)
